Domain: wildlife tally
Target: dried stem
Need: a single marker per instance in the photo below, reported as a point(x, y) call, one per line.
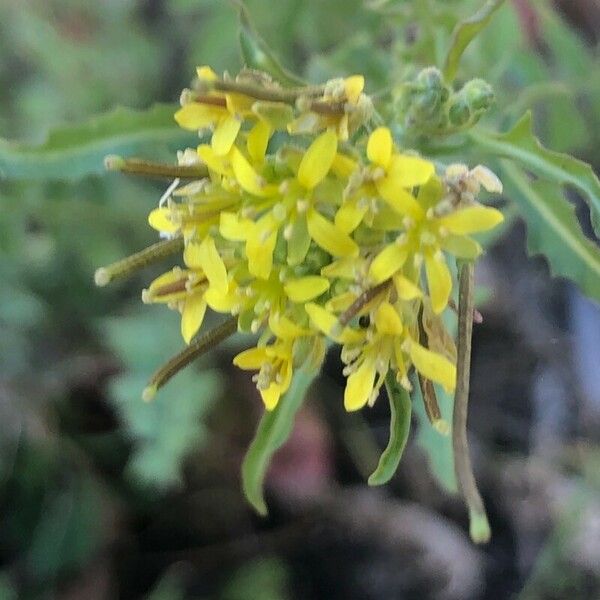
point(360, 302)
point(479, 526)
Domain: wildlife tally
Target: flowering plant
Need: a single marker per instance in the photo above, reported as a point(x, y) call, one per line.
point(331, 213)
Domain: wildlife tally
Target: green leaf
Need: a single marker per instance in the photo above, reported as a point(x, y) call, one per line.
point(553, 230)
point(465, 33)
point(401, 410)
point(73, 151)
point(257, 54)
point(521, 145)
point(436, 446)
point(273, 431)
point(165, 430)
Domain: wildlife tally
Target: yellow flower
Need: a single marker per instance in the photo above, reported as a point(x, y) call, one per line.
point(342, 108)
point(427, 235)
point(274, 361)
point(222, 112)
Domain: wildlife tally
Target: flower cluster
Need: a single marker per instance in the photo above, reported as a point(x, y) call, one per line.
point(309, 224)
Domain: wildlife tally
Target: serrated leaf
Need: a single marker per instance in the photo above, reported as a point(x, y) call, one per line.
point(465, 32)
point(401, 410)
point(273, 431)
point(74, 151)
point(521, 145)
point(257, 54)
point(553, 230)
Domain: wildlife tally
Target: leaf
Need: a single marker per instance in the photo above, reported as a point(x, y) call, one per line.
point(401, 410)
point(273, 431)
point(73, 151)
point(257, 54)
point(521, 145)
point(165, 430)
point(465, 33)
point(553, 230)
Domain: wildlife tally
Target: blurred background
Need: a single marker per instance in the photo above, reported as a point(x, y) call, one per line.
point(103, 496)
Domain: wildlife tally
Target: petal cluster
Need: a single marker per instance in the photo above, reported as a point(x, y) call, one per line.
point(311, 225)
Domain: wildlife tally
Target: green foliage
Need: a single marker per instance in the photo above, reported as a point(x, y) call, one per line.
point(273, 431)
point(401, 410)
point(464, 34)
point(521, 145)
point(553, 230)
point(71, 152)
point(167, 428)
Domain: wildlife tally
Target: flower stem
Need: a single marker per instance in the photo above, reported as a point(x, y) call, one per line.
point(197, 348)
point(479, 526)
point(129, 265)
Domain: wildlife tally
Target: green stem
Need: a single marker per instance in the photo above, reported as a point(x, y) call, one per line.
point(479, 526)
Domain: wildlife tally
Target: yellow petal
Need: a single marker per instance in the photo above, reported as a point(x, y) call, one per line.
point(387, 262)
point(402, 201)
point(439, 281)
point(327, 323)
point(472, 220)
point(349, 216)
point(225, 134)
point(219, 302)
point(210, 261)
point(284, 329)
point(247, 177)
point(433, 366)
point(359, 386)
point(353, 87)
point(195, 116)
point(317, 160)
point(206, 73)
point(192, 316)
point(219, 164)
point(169, 286)
point(387, 320)
point(298, 242)
point(379, 147)
point(161, 219)
point(304, 289)
point(251, 359)
point(409, 171)
point(271, 396)
point(346, 268)
point(341, 302)
point(233, 227)
point(405, 288)
point(329, 237)
point(461, 246)
point(343, 166)
point(258, 140)
point(259, 250)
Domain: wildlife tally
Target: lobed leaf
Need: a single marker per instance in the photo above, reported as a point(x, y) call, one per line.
point(553, 230)
point(464, 33)
point(74, 151)
point(521, 145)
point(401, 410)
point(273, 431)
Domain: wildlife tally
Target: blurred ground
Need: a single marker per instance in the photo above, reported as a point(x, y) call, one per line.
point(102, 496)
